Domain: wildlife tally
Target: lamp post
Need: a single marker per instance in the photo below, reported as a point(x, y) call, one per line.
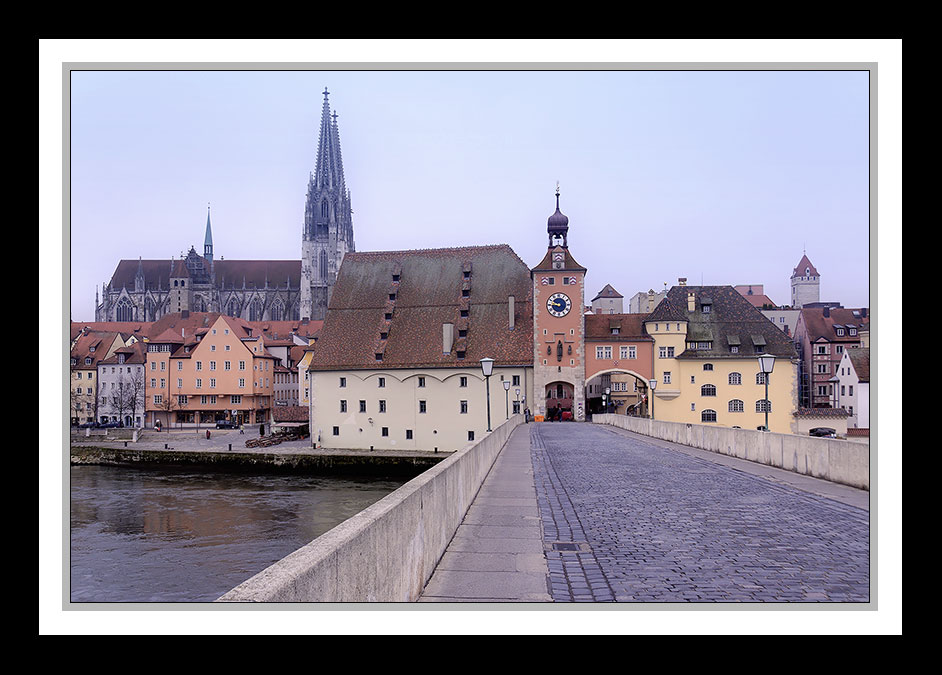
point(507, 397)
point(608, 398)
point(652, 383)
point(487, 367)
point(766, 363)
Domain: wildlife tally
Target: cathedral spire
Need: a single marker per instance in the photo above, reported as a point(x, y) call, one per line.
point(208, 241)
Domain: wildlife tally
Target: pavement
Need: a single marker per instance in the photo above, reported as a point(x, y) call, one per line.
point(497, 552)
point(590, 513)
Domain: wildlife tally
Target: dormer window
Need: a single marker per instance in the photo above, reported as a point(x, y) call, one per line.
point(853, 331)
point(840, 332)
point(616, 331)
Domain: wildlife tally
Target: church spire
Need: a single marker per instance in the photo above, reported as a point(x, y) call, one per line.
point(208, 241)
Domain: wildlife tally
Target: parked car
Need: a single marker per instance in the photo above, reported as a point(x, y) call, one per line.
point(226, 424)
point(87, 425)
point(823, 432)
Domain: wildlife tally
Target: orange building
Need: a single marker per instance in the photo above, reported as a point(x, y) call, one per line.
point(222, 371)
point(619, 359)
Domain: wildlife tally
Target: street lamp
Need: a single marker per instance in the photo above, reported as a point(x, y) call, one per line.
point(652, 383)
point(507, 397)
point(517, 392)
point(607, 399)
point(766, 363)
point(487, 367)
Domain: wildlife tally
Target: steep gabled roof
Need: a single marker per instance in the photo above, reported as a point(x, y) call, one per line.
point(860, 359)
point(422, 290)
point(607, 292)
point(732, 320)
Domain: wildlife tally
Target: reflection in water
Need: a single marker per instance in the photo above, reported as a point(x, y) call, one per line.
point(177, 535)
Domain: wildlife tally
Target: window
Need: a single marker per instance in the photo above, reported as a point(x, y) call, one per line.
point(763, 405)
point(336, 431)
point(515, 381)
point(462, 381)
point(343, 406)
point(408, 434)
point(212, 365)
point(421, 382)
point(735, 378)
point(212, 383)
point(382, 406)
point(158, 399)
point(181, 399)
point(179, 383)
point(381, 382)
point(708, 390)
point(666, 352)
point(667, 377)
point(464, 408)
point(760, 378)
point(227, 365)
point(708, 416)
point(235, 398)
point(241, 365)
point(241, 383)
point(343, 382)
point(470, 435)
point(736, 405)
point(362, 406)
point(385, 431)
point(422, 407)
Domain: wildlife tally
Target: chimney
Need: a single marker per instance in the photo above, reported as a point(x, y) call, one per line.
point(863, 312)
point(510, 308)
point(448, 337)
point(827, 312)
point(650, 300)
point(681, 281)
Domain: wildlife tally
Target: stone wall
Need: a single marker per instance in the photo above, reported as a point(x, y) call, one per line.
point(836, 460)
point(387, 552)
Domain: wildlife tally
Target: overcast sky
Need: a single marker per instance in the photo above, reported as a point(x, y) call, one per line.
point(722, 177)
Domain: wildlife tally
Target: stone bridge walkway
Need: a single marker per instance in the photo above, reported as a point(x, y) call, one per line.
point(589, 513)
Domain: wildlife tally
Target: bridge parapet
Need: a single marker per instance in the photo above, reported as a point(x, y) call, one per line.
point(388, 551)
point(833, 459)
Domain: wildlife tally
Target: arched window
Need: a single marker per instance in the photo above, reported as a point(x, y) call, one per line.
point(708, 390)
point(736, 405)
point(762, 405)
point(277, 311)
point(322, 264)
point(708, 416)
point(760, 378)
point(199, 304)
point(708, 366)
point(325, 209)
point(255, 310)
point(233, 309)
point(735, 378)
point(124, 311)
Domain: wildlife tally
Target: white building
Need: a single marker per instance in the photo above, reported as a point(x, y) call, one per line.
point(852, 386)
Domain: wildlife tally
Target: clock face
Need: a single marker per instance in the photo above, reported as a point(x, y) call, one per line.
point(559, 304)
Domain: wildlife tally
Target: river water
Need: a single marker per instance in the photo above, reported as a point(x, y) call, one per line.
point(184, 535)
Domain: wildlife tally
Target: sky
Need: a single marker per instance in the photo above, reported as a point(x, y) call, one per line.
point(719, 176)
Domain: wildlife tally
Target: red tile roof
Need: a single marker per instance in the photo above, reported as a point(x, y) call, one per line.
point(422, 290)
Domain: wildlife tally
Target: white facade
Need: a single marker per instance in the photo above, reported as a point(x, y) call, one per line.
point(437, 409)
point(121, 392)
point(852, 394)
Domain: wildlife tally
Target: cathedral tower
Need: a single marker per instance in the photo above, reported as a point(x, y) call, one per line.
point(558, 324)
point(328, 222)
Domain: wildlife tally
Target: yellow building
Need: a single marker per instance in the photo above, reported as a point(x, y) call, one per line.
point(707, 340)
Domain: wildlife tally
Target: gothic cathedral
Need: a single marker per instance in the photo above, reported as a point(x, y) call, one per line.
point(255, 290)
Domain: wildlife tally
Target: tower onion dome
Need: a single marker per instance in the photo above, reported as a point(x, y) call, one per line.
point(557, 225)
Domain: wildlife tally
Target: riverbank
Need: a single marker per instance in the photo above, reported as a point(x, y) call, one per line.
point(225, 450)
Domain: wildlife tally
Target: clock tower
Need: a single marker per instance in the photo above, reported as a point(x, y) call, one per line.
point(558, 325)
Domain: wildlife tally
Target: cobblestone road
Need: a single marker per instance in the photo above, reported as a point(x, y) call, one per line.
point(627, 521)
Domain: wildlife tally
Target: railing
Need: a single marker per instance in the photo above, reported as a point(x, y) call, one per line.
point(388, 551)
point(836, 460)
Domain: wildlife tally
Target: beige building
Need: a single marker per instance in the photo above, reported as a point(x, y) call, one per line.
point(397, 364)
point(88, 349)
point(707, 340)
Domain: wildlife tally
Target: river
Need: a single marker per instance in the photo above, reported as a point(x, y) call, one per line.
point(185, 535)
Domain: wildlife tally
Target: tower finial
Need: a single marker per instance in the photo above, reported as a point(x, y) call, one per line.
point(325, 94)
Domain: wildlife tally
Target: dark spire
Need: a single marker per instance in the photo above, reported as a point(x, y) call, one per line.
point(208, 241)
